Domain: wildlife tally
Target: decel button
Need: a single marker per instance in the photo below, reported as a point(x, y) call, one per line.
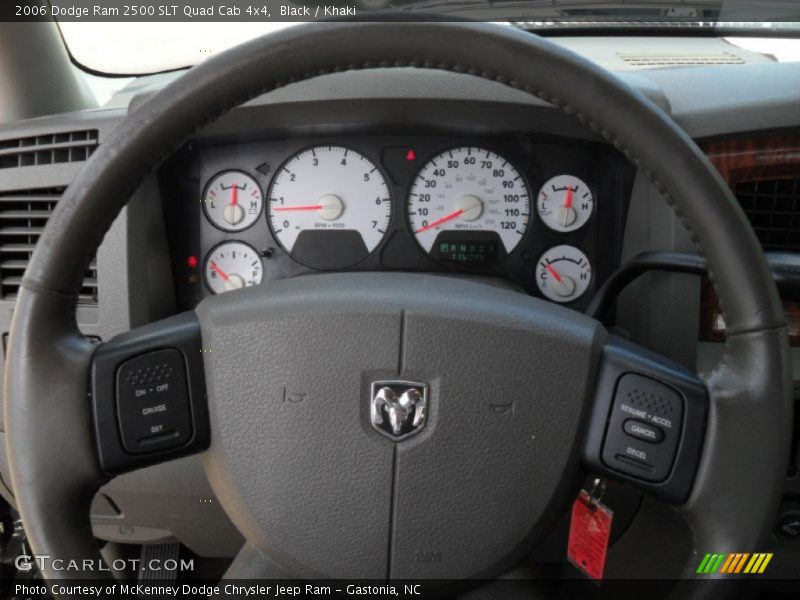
point(643, 431)
point(153, 402)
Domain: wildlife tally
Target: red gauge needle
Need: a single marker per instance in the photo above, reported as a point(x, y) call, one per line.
point(444, 219)
point(220, 272)
point(553, 272)
point(234, 194)
point(301, 207)
point(568, 199)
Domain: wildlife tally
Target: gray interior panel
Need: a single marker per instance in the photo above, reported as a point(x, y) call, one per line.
point(710, 101)
point(57, 87)
point(660, 310)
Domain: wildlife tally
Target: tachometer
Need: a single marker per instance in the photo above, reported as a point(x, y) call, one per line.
point(329, 207)
point(469, 206)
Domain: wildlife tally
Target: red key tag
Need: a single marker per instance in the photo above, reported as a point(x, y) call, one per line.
point(589, 531)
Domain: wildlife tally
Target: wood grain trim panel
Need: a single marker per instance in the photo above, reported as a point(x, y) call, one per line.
point(744, 159)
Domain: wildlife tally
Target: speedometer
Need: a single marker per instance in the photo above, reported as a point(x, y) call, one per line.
point(469, 206)
point(329, 207)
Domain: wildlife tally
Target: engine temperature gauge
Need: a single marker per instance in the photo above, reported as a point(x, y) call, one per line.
point(563, 273)
point(231, 266)
point(565, 203)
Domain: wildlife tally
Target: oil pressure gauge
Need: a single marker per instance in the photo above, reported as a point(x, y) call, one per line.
point(233, 200)
point(563, 273)
point(565, 203)
point(232, 266)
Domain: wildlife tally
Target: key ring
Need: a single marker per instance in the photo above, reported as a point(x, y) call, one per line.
point(597, 492)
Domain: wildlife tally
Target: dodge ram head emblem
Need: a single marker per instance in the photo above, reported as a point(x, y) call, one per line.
point(398, 409)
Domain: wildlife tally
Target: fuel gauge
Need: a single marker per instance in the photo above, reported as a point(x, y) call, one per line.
point(232, 266)
point(563, 273)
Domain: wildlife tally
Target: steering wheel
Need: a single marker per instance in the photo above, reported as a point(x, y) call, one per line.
point(314, 485)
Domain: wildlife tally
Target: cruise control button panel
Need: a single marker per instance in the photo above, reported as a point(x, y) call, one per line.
point(644, 428)
point(647, 422)
point(148, 395)
point(153, 402)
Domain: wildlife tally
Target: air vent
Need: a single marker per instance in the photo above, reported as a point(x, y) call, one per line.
point(23, 216)
point(54, 148)
point(646, 60)
point(773, 207)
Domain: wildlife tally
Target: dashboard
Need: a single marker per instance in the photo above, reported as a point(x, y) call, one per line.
point(543, 213)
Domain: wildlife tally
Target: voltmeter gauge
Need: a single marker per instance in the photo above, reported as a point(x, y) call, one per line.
point(232, 266)
point(563, 273)
point(565, 203)
point(233, 200)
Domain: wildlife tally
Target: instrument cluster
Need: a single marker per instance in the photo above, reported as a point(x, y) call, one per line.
point(535, 212)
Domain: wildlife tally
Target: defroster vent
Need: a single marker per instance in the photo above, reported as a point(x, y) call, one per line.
point(23, 216)
point(650, 60)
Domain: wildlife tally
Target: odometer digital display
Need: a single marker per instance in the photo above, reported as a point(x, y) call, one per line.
point(468, 253)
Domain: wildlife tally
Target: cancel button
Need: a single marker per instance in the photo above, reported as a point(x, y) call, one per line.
point(643, 431)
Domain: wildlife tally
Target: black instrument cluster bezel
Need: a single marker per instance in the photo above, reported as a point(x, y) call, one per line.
point(538, 157)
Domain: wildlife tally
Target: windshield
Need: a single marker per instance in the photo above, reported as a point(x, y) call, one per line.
point(160, 37)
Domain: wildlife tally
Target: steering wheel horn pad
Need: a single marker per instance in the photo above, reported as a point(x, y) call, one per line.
point(298, 465)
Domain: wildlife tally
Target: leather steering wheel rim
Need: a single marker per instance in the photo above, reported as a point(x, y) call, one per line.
point(54, 467)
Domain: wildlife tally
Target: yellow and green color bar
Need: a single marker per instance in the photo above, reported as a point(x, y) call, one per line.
point(735, 562)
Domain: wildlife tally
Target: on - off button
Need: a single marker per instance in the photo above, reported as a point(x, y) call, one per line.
point(643, 431)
